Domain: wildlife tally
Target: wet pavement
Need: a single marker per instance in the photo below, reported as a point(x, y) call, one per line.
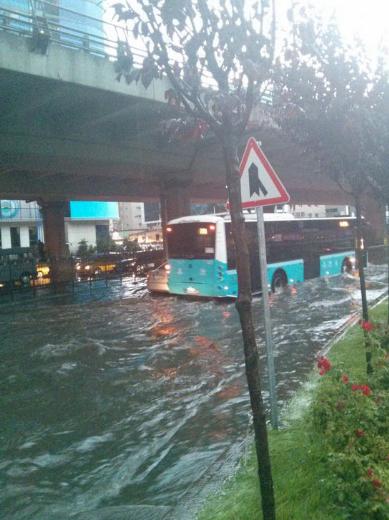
point(118, 405)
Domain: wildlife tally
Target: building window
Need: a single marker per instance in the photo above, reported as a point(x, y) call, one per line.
point(33, 236)
point(102, 238)
point(15, 237)
point(152, 211)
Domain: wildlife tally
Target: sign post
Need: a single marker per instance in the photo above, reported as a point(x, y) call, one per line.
point(267, 318)
point(261, 186)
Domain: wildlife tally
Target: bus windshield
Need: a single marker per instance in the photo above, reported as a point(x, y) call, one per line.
point(193, 240)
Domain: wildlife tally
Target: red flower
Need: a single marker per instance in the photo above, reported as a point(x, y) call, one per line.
point(376, 483)
point(345, 379)
point(367, 325)
point(365, 389)
point(359, 432)
point(323, 364)
point(370, 472)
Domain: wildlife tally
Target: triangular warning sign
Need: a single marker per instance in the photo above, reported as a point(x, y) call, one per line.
point(259, 183)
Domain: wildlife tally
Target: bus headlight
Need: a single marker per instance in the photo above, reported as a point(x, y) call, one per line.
point(87, 267)
point(192, 290)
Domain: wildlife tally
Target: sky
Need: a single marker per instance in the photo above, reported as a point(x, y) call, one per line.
point(367, 19)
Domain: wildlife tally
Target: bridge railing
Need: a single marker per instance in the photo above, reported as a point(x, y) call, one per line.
point(66, 27)
point(43, 22)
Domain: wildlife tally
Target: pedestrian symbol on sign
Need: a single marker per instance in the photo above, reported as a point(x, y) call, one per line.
point(255, 183)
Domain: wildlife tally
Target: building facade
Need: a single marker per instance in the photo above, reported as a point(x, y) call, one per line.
point(21, 223)
point(139, 221)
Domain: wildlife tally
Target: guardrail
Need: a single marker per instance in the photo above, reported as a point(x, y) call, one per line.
point(59, 24)
point(65, 26)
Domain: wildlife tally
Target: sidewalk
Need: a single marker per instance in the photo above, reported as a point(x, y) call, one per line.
point(311, 481)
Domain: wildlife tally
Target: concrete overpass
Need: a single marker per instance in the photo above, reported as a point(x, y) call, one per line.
point(69, 130)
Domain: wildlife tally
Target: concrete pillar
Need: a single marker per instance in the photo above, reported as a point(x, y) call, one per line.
point(24, 236)
point(5, 237)
point(177, 200)
point(40, 232)
point(175, 203)
point(54, 213)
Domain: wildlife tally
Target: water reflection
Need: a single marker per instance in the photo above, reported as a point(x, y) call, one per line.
point(121, 408)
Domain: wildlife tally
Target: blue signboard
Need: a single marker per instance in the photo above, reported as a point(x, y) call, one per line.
point(9, 209)
point(94, 210)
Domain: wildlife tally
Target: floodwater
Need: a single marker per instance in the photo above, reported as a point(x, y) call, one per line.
point(118, 405)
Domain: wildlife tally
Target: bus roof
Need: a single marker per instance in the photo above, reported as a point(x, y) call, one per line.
point(251, 217)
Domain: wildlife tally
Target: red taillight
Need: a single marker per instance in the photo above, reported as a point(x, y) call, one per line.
point(212, 227)
point(169, 230)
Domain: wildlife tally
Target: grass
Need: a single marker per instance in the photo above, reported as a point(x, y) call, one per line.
point(297, 465)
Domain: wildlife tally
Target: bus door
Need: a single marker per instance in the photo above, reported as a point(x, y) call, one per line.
point(312, 247)
point(311, 265)
point(252, 243)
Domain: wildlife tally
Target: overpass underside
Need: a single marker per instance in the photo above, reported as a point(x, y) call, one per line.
point(69, 130)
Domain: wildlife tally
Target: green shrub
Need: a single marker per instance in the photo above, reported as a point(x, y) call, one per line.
point(352, 420)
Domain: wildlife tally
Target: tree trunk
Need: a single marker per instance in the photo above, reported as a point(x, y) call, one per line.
point(361, 270)
point(244, 308)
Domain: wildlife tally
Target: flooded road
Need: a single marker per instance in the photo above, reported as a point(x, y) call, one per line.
point(126, 408)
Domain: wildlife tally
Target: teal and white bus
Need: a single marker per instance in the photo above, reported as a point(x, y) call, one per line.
point(202, 260)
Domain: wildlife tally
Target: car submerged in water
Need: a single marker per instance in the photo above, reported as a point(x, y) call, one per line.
point(17, 267)
point(98, 265)
point(157, 279)
point(141, 263)
point(115, 264)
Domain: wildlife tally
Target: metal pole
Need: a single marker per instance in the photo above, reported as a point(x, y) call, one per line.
point(267, 318)
point(386, 242)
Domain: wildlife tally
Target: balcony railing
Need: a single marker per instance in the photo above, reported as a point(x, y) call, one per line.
point(15, 213)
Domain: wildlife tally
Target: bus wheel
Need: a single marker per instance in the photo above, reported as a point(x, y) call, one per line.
point(347, 266)
point(279, 281)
